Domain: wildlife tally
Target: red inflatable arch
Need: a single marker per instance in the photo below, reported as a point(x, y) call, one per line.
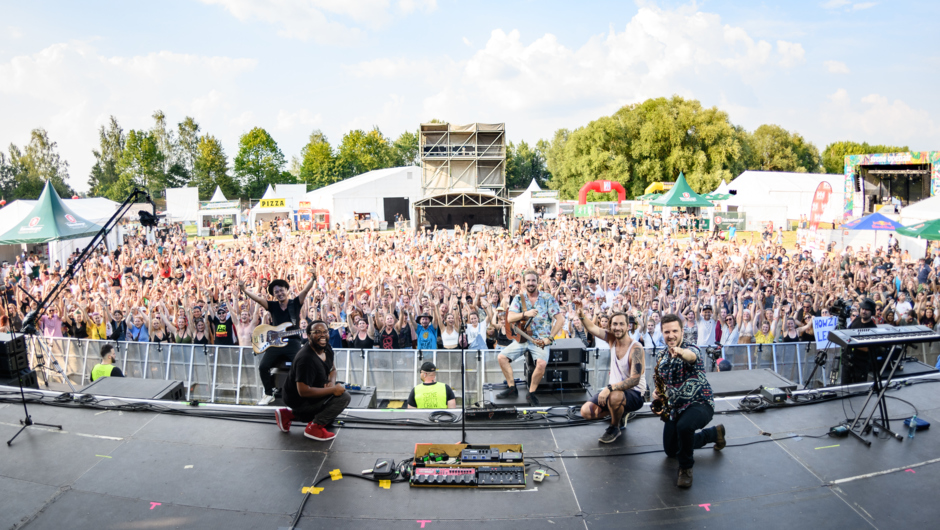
point(601, 186)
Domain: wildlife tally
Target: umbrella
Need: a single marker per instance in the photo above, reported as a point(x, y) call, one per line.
point(875, 221)
point(926, 230)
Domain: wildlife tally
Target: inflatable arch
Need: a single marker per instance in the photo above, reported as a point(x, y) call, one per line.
point(601, 186)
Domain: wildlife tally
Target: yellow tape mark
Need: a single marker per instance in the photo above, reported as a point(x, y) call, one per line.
point(103, 456)
point(311, 490)
point(387, 484)
point(828, 447)
point(336, 474)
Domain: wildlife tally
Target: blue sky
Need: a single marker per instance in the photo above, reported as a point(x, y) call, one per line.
point(830, 70)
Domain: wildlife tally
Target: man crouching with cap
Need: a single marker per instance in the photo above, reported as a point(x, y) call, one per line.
point(311, 391)
point(430, 394)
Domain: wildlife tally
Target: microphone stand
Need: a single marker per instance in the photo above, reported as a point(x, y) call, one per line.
point(462, 342)
point(31, 318)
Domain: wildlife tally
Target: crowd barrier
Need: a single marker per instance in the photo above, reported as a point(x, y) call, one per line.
point(226, 374)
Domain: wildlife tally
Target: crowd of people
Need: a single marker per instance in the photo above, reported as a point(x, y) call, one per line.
point(402, 290)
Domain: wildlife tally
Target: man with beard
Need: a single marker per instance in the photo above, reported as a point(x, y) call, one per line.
point(546, 320)
point(627, 381)
point(689, 400)
point(311, 391)
point(282, 310)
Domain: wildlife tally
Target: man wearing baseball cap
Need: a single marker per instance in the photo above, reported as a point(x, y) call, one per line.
point(430, 394)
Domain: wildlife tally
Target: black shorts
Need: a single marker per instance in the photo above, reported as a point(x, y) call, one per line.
point(634, 400)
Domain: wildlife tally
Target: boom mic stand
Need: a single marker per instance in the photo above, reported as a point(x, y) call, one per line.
point(462, 342)
point(147, 219)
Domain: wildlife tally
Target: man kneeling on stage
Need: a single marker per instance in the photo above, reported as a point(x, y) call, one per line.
point(680, 373)
point(311, 391)
point(430, 394)
point(623, 394)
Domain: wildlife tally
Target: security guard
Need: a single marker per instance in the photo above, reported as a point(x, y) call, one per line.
point(106, 368)
point(430, 394)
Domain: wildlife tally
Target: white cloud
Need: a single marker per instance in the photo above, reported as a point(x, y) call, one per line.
point(287, 121)
point(835, 4)
point(863, 5)
point(848, 5)
point(791, 53)
point(387, 67)
point(70, 89)
point(13, 32)
point(467, 41)
point(836, 67)
point(881, 120)
point(317, 19)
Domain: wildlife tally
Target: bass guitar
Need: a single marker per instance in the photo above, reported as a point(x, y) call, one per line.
point(265, 336)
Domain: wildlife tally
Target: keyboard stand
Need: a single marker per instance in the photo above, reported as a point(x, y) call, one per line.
point(878, 387)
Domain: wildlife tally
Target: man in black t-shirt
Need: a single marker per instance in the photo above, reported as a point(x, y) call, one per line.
point(311, 391)
point(223, 327)
point(282, 310)
point(856, 362)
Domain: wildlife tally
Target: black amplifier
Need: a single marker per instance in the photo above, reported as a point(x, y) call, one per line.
point(11, 363)
point(567, 351)
point(10, 343)
point(28, 376)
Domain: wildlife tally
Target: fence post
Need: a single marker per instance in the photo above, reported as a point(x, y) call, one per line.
point(85, 362)
point(238, 379)
point(146, 360)
point(215, 371)
point(773, 353)
point(365, 368)
point(189, 382)
point(749, 367)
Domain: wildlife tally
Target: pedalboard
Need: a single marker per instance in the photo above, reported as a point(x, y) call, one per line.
point(467, 466)
point(444, 476)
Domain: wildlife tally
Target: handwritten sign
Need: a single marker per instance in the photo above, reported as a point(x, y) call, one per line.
point(821, 328)
point(272, 203)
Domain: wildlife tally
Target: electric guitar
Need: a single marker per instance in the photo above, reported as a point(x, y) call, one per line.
point(265, 336)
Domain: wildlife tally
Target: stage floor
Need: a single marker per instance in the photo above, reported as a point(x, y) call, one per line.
point(110, 469)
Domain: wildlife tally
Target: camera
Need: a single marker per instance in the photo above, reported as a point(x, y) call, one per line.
point(713, 352)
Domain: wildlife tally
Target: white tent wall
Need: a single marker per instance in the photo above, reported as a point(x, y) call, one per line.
point(366, 193)
point(763, 193)
point(291, 193)
point(182, 204)
point(925, 210)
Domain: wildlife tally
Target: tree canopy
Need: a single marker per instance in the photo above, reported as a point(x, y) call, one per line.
point(24, 172)
point(833, 157)
point(259, 163)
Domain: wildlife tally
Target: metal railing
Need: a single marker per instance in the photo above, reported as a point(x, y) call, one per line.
point(229, 374)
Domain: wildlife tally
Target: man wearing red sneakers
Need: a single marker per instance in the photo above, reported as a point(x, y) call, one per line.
point(311, 391)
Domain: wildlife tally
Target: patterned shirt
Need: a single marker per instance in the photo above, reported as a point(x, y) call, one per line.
point(685, 382)
point(541, 325)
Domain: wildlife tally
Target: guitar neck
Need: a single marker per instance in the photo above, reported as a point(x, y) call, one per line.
point(290, 333)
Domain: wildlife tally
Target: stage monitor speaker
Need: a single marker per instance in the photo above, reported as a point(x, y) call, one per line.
point(12, 363)
point(10, 344)
point(559, 377)
point(28, 376)
point(567, 352)
point(362, 398)
point(132, 388)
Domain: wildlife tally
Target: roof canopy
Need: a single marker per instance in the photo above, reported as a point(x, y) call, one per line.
point(681, 195)
point(926, 230)
point(218, 196)
point(49, 220)
point(875, 221)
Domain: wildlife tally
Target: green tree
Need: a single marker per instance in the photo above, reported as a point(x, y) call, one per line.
point(524, 164)
point(141, 166)
point(259, 162)
point(105, 172)
point(211, 169)
point(361, 151)
point(317, 164)
point(833, 157)
point(405, 150)
point(652, 141)
point(188, 134)
point(173, 168)
point(25, 172)
point(776, 149)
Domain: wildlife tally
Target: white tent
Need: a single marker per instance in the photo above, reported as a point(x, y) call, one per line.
point(384, 192)
point(291, 193)
point(97, 210)
point(777, 197)
point(182, 204)
point(530, 200)
point(217, 207)
point(924, 210)
point(269, 207)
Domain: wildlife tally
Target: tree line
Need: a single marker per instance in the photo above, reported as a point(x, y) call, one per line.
point(637, 145)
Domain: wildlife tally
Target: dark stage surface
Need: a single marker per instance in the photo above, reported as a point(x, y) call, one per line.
point(108, 469)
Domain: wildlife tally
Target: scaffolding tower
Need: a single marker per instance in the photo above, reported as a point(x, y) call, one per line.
point(463, 158)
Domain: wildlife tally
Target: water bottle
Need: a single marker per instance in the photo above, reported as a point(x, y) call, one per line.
point(913, 427)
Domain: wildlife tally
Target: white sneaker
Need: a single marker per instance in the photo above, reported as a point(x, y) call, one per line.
point(266, 400)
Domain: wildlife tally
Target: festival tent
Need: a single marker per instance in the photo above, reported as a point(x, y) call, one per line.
point(383, 192)
point(526, 203)
point(776, 196)
point(269, 207)
point(924, 230)
point(682, 196)
point(875, 221)
point(217, 207)
point(53, 236)
point(920, 211)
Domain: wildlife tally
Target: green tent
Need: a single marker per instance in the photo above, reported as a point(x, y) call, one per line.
point(681, 196)
point(649, 196)
point(926, 230)
point(49, 220)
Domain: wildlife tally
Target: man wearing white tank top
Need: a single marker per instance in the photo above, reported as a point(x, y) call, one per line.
point(627, 382)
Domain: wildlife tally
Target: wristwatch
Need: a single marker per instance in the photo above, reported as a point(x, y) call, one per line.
point(610, 388)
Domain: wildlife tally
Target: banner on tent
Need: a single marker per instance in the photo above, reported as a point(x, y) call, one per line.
point(220, 205)
point(272, 203)
point(726, 220)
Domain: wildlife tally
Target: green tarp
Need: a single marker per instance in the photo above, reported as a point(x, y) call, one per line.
point(681, 196)
point(49, 220)
point(926, 230)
